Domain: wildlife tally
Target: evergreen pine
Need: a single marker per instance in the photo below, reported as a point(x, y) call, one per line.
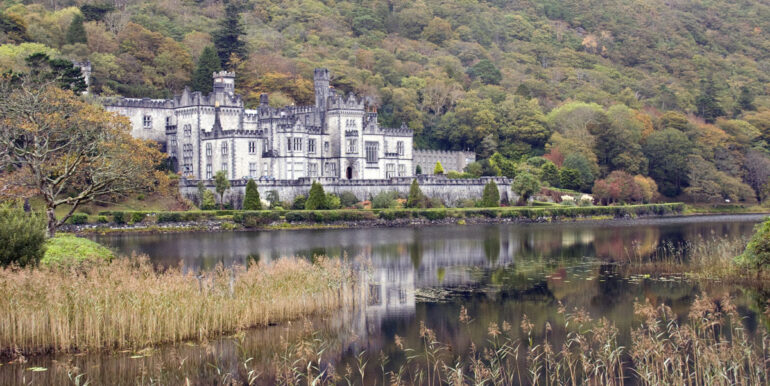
point(316, 199)
point(569, 179)
point(416, 199)
point(251, 199)
point(746, 100)
point(76, 32)
point(227, 39)
point(438, 169)
point(707, 103)
point(208, 63)
point(550, 174)
point(491, 196)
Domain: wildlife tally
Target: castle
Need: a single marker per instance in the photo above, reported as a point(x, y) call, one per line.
point(338, 136)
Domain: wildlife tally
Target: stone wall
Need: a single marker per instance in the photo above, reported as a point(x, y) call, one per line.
point(450, 160)
point(448, 190)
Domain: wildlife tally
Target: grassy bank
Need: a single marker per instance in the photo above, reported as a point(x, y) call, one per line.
point(128, 304)
point(263, 218)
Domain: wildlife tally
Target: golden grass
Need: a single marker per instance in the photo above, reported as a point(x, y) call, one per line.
point(129, 304)
point(711, 348)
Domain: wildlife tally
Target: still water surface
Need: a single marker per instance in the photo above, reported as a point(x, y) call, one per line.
point(501, 272)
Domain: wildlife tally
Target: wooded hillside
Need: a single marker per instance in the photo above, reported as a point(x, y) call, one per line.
point(674, 90)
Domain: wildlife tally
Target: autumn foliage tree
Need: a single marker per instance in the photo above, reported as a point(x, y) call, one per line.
point(66, 150)
point(619, 186)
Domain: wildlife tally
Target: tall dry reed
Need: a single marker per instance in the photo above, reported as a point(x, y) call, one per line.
point(702, 258)
point(711, 348)
point(129, 304)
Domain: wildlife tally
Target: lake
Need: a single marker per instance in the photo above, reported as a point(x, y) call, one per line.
point(497, 272)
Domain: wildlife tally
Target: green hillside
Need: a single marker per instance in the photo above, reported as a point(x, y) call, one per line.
point(673, 90)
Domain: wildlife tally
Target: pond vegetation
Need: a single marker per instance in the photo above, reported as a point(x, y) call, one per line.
point(129, 304)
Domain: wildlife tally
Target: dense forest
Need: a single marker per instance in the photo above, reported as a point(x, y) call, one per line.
point(625, 98)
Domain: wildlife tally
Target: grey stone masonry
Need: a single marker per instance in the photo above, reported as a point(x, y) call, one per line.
point(448, 190)
point(450, 160)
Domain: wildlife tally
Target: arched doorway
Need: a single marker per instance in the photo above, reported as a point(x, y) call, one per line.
point(349, 172)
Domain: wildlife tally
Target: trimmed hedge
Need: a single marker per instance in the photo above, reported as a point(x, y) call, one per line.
point(255, 218)
point(78, 219)
point(329, 215)
point(251, 219)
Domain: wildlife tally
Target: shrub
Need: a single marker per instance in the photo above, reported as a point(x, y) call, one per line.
point(332, 201)
point(432, 214)
point(385, 200)
point(348, 199)
point(466, 203)
point(299, 202)
point(438, 169)
point(78, 219)
point(118, 217)
point(393, 214)
point(251, 199)
point(102, 219)
point(316, 198)
point(137, 217)
point(208, 201)
point(169, 217)
point(757, 253)
point(435, 202)
point(22, 236)
point(253, 219)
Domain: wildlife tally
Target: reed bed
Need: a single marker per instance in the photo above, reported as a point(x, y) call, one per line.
point(702, 258)
point(711, 348)
point(128, 304)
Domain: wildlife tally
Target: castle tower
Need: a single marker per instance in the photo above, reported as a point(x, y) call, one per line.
point(321, 83)
point(224, 82)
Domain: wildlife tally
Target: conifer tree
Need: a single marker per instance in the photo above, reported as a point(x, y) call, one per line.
point(550, 174)
point(227, 39)
point(416, 199)
point(438, 169)
point(251, 198)
point(418, 170)
point(707, 103)
point(316, 199)
point(491, 196)
point(746, 100)
point(208, 63)
point(76, 32)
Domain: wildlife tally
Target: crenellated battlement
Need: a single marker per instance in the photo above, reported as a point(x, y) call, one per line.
point(352, 102)
point(145, 103)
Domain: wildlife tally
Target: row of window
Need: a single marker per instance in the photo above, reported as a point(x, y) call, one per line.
point(296, 167)
point(390, 170)
point(147, 121)
point(295, 144)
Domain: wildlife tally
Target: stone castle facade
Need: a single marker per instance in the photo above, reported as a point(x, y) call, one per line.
point(337, 137)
